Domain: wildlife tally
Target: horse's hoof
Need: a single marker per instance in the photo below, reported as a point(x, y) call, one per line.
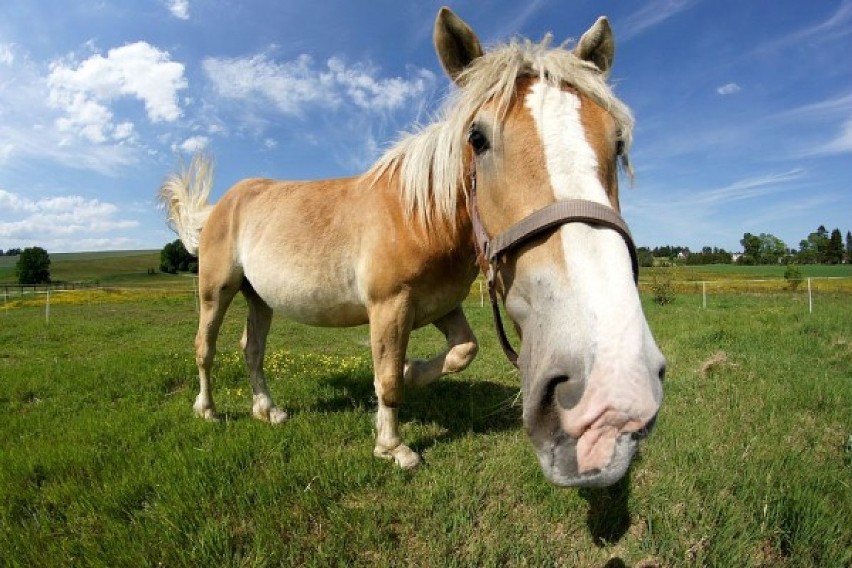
point(207, 414)
point(273, 415)
point(277, 416)
point(416, 373)
point(405, 457)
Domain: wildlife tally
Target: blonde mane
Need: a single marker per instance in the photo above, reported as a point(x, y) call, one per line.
point(430, 161)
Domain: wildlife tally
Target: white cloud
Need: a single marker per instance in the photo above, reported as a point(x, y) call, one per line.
point(179, 8)
point(293, 86)
point(748, 188)
point(29, 126)
point(58, 217)
point(650, 15)
point(192, 144)
point(137, 70)
point(123, 131)
point(6, 55)
point(833, 113)
point(728, 89)
point(840, 144)
point(6, 150)
point(836, 27)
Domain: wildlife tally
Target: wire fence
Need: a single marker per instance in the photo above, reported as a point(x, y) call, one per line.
point(810, 286)
point(27, 296)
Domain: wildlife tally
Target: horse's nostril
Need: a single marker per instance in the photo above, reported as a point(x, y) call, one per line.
point(566, 392)
point(662, 372)
point(643, 433)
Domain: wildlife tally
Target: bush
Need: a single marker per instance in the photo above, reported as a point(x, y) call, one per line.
point(793, 276)
point(662, 287)
point(174, 258)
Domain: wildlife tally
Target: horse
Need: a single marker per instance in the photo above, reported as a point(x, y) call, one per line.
point(528, 125)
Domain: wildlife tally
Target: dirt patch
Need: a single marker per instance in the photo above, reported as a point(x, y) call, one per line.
point(717, 360)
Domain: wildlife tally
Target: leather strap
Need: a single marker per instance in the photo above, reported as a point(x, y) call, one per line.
point(490, 252)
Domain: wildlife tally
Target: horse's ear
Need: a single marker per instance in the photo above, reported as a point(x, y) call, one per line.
point(597, 45)
point(455, 43)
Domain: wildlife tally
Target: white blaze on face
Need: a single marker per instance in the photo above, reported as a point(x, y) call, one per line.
point(598, 315)
point(571, 161)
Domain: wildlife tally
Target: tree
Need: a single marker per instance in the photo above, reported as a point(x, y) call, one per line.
point(33, 266)
point(772, 249)
point(751, 245)
point(849, 247)
point(834, 250)
point(174, 258)
point(646, 258)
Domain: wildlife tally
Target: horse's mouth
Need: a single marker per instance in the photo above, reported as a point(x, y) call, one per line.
point(559, 461)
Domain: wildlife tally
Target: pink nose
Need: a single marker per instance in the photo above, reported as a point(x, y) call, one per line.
point(596, 442)
point(611, 405)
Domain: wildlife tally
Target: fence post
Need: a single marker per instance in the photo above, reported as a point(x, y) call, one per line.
point(47, 308)
point(810, 298)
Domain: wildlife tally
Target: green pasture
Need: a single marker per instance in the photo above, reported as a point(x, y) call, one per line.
point(108, 268)
point(103, 464)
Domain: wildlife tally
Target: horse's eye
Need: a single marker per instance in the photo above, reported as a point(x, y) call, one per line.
point(619, 147)
point(477, 140)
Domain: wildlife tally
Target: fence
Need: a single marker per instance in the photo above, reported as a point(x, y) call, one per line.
point(809, 286)
point(27, 297)
point(21, 289)
point(705, 288)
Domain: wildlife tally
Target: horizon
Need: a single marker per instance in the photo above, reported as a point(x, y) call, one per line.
point(742, 113)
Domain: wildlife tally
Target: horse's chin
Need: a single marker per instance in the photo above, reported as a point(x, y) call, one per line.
point(558, 461)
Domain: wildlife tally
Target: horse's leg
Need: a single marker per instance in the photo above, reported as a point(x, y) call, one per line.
point(461, 350)
point(254, 348)
point(215, 297)
point(390, 326)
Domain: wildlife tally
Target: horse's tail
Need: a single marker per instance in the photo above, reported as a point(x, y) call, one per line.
point(184, 196)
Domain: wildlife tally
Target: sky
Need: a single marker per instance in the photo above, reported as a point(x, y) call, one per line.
point(743, 109)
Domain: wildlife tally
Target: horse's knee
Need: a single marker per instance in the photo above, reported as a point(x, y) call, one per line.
point(389, 391)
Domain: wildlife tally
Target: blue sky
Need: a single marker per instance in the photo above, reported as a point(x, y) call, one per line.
point(744, 109)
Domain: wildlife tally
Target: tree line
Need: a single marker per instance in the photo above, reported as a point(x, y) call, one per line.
point(820, 247)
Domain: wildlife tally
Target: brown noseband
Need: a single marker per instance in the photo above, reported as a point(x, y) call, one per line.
point(491, 252)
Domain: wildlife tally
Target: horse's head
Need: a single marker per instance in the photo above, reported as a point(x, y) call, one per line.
point(541, 126)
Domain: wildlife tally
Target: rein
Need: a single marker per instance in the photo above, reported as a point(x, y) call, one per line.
point(491, 253)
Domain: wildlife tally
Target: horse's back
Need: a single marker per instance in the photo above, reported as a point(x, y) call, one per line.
point(322, 252)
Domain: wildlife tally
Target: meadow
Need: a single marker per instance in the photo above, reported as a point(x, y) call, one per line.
point(103, 464)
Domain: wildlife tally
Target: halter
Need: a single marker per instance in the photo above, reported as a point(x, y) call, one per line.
point(491, 252)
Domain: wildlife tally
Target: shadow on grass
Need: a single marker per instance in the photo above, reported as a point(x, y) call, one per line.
point(608, 518)
point(459, 406)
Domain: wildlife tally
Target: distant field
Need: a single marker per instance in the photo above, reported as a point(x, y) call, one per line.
point(110, 268)
point(766, 271)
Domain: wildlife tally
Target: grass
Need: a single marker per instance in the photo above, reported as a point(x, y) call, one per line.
point(101, 462)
